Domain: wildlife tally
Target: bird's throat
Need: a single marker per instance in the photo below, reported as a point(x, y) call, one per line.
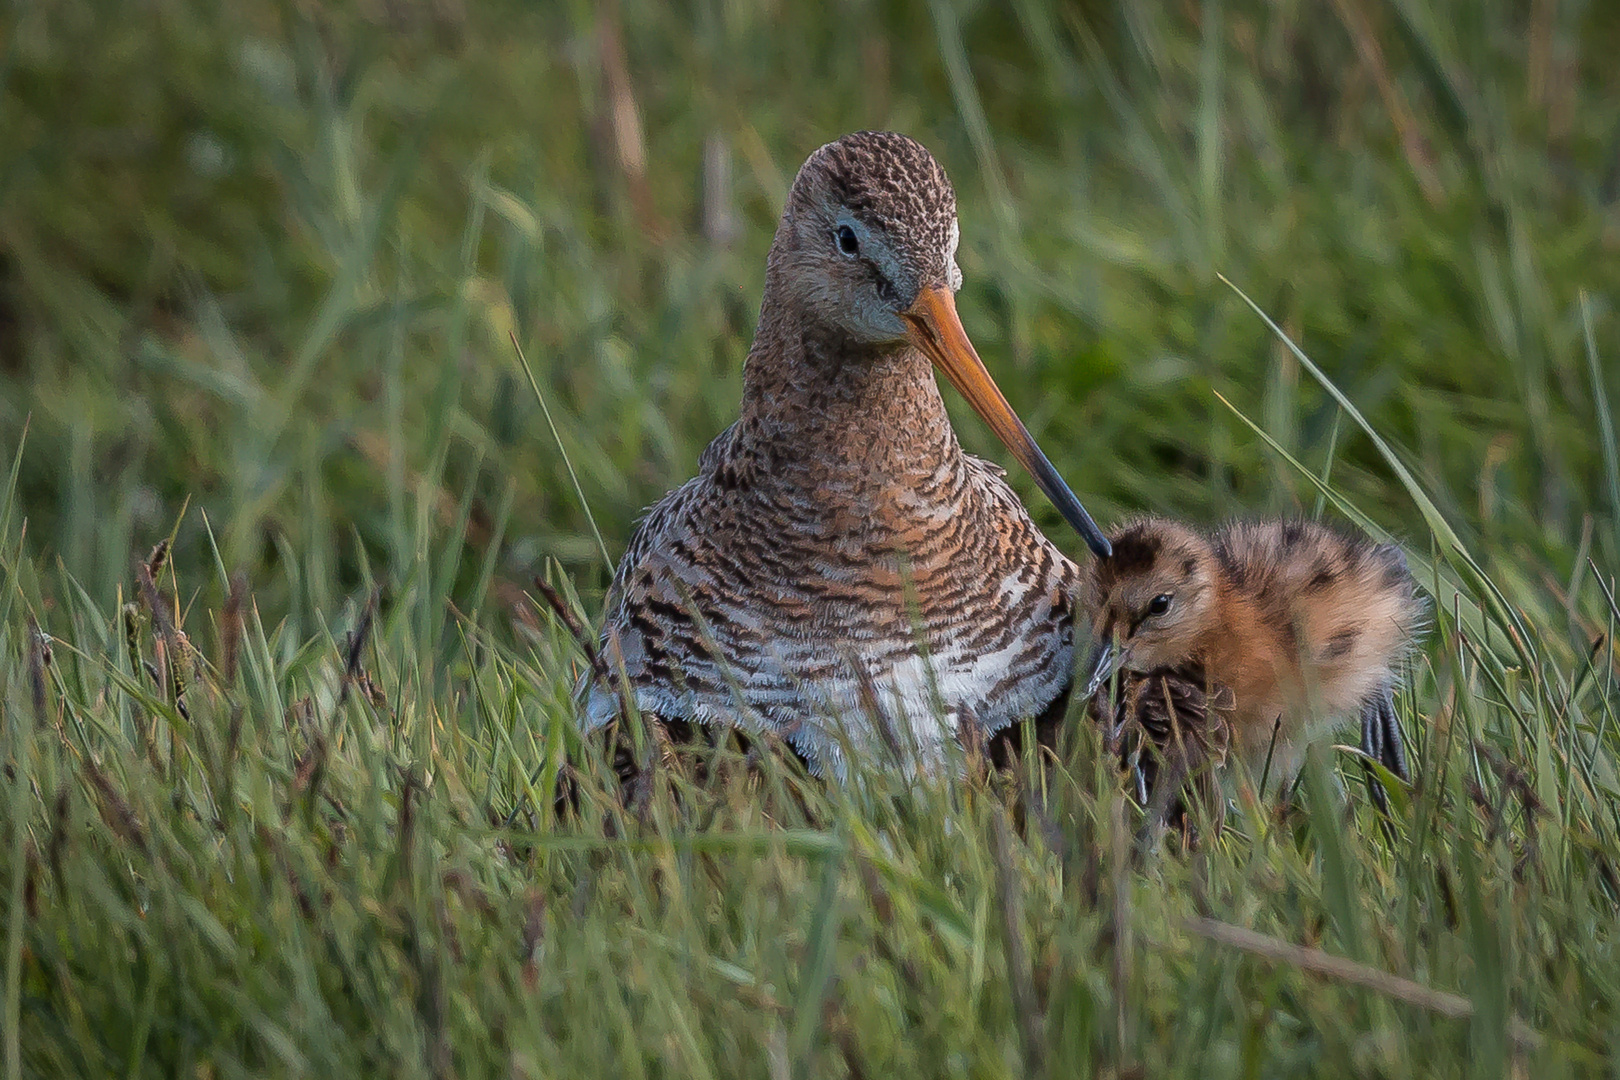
point(812, 394)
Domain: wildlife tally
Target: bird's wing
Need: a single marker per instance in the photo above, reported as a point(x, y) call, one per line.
point(670, 627)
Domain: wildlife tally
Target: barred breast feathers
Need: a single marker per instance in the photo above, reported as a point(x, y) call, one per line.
point(781, 616)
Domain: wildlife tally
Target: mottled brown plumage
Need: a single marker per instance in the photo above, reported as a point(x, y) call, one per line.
point(837, 545)
point(1171, 728)
point(1305, 626)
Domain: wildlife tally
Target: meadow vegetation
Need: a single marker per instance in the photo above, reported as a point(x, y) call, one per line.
point(284, 713)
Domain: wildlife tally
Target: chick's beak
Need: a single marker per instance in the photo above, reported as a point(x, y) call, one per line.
point(935, 329)
point(1106, 658)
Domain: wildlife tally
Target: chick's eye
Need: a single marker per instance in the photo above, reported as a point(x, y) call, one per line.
point(1160, 604)
point(847, 243)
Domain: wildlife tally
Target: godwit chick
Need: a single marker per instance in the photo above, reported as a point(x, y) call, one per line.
point(1306, 628)
point(839, 567)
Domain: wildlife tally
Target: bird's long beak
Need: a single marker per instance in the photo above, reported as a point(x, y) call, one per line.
point(937, 331)
point(1106, 659)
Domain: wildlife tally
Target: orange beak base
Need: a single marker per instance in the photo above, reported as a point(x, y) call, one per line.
point(936, 330)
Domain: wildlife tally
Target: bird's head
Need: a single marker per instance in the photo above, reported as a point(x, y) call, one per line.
point(1152, 602)
point(871, 229)
point(867, 246)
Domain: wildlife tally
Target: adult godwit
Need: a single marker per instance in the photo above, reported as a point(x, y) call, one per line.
point(839, 573)
point(1304, 627)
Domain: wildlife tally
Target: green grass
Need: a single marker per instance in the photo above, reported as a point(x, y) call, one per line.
point(260, 270)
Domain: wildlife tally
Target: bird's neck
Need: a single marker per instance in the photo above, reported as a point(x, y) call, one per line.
point(811, 393)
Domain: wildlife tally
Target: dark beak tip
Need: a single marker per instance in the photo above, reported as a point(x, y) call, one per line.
point(1072, 511)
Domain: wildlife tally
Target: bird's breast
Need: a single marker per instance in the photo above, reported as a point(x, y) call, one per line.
point(850, 614)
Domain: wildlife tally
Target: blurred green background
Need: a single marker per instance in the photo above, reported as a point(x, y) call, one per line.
point(261, 268)
point(266, 257)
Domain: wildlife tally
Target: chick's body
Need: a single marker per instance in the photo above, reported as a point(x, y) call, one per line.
point(1305, 626)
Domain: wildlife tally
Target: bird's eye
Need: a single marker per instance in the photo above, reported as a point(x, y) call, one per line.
point(847, 243)
point(1160, 604)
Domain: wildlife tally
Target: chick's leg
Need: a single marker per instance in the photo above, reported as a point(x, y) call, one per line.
point(1393, 752)
point(1381, 742)
point(1372, 744)
point(1372, 726)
